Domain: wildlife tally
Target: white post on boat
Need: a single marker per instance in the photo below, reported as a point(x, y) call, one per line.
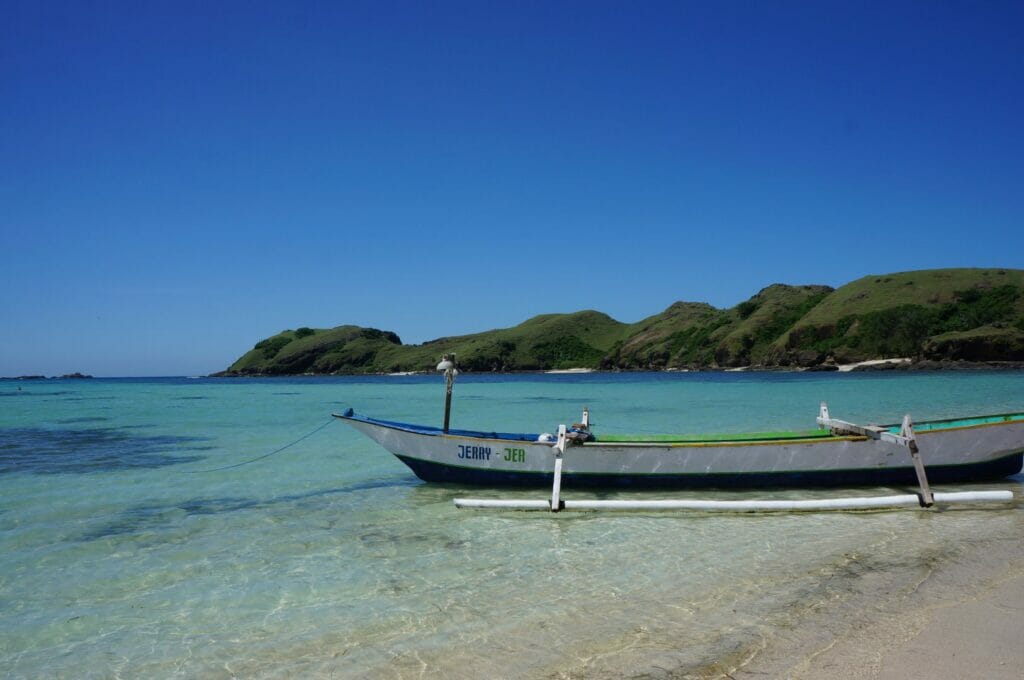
point(448, 366)
point(556, 484)
point(907, 431)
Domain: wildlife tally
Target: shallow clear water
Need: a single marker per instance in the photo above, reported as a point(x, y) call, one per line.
point(121, 554)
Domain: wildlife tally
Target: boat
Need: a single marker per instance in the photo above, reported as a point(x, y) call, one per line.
point(836, 453)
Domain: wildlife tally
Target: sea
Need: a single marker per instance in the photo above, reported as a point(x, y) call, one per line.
point(230, 528)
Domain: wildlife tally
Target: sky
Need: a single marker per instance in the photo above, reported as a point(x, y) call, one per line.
point(179, 180)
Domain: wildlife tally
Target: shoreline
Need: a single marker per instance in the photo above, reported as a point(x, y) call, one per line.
point(868, 366)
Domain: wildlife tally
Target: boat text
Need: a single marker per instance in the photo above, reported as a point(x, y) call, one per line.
point(515, 455)
point(475, 452)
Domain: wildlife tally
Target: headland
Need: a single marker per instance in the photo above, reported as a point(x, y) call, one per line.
point(931, 319)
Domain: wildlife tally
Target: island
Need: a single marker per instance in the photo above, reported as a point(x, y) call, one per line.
point(921, 319)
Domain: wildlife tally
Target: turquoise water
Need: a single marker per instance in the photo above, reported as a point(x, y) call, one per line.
point(122, 555)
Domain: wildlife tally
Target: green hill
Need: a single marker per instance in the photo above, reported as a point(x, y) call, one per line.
point(947, 314)
point(972, 314)
point(696, 335)
point(548, 341)
point(345, 349)
point(677, 335)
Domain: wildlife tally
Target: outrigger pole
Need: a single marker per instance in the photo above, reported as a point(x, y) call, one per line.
point(905, 438)
point(810, 505)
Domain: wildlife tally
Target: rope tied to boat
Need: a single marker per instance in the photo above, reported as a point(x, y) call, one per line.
point(266, 455)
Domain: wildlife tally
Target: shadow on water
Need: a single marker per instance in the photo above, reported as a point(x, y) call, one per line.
point(142, 518)
point(54, 451)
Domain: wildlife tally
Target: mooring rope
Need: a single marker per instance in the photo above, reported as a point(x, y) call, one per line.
point(266, 455)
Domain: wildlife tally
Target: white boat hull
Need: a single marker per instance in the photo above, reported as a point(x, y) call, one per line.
point(977, 452)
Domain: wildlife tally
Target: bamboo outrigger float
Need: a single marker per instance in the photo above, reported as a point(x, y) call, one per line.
point(838, 453)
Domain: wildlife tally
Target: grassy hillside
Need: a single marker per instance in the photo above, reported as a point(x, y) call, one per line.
point(549, 341)
point(544, 342)
point(345, 349)
point(762, 320)
point(972, 314)
point(695, 334)
point(679, 336)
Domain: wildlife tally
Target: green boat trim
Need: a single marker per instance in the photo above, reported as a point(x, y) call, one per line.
point(702, 438)
point(786, 436)
point(926, 425)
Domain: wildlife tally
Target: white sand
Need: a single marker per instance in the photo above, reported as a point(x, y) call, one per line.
point(843, 368)
point(964, 619)
point(982, 636)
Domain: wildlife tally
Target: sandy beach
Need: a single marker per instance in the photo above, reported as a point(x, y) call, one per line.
point(955, 616)
point(846, 368)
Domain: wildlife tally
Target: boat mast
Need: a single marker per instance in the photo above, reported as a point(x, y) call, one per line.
point(448, 366)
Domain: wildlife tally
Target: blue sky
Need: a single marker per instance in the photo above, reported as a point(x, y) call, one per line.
point(179, 180)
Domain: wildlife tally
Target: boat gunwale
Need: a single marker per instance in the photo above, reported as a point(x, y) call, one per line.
point(770, 439)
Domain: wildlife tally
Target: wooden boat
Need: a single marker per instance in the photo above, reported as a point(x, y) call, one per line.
point(976, 448)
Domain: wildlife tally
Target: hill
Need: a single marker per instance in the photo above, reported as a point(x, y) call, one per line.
point(944, 314)
point(967, 314)
point(696, 335)
point(345, 349)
